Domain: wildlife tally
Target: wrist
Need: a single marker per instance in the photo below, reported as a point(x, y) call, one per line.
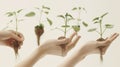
point(72, 60)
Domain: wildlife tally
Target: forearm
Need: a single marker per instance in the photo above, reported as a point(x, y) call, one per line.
point(32, 59)
point(72, 60)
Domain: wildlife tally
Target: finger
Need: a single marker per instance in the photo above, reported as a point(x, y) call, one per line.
point(21, 36)
point(71, 37)
point(114, 37)
point(73, 43)
point(63, 41)
point(17, 36)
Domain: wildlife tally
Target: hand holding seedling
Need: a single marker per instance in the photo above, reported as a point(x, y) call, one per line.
point(51, 47)
point(8, 37)
point(15, 15)
point(54, 46)
point(101, 31)
point(90, 47)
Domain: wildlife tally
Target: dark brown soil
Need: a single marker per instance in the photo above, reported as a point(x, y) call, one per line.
point(39, 31)
point(16, 46)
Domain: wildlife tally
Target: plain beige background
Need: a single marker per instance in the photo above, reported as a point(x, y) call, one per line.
point(93, 7)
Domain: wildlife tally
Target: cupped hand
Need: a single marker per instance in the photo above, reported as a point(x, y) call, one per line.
point(91, 47)
point(53, 46)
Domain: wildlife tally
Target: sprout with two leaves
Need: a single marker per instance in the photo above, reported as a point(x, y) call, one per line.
point(101, 31)
point(15, 16)
point(39, 29)
point(65, 27)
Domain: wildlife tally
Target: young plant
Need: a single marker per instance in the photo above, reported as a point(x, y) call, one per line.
point(15, 19)
point(67, 17)
point(101, 31)
point(77, 27)
point(65, 27)
point(39, 29)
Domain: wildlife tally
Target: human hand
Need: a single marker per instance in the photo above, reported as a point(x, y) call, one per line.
point(53, 46)
point(91, 47)
point(8, 37)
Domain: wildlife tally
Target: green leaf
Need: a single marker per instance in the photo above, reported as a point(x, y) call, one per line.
point(85, 24)
point(44, 7)
point(96, 22)
point(30, 14)
point(96, 18)
point(69, 15)
point(84, 9)
point(66, 14)
point(19, 10)
point(9, 14)
point(76, 28)
point(61, 16)
point(108, 26)
point(50, 22)
point(79, 8)
point(41, 26)
point(104, 15)
point(37, 8)
point(74, 8)
point(46, 12)
point(65, 26)
point(92, 29)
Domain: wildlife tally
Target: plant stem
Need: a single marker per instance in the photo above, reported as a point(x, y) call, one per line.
point(101, 28)
point(79, 12)
point(104, 31)
point(65, 27)
point(16, 20)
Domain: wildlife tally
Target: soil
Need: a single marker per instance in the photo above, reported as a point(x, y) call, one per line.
point(39, 31)
point(16, 46)
point(63, 46)
point(100, 48)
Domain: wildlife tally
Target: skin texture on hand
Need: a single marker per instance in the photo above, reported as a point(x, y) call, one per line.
point(90, 47)
point(7, 37)
point(53, 46)
point(49, 47)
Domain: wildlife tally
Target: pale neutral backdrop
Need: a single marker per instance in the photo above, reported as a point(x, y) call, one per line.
point(93, 8)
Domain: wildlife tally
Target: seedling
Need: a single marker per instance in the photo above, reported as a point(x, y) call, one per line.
point(15, 19)
point(102, 28)
point(39, 29)
point(79, 20)
point(65, 27)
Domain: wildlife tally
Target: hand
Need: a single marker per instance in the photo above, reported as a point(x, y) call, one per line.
point(9, 36)
point(53, 46)
point(91, 47)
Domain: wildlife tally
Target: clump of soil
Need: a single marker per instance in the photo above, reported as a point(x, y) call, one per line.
point(100, 48)
point(39, 30)
point(16, 46)
point(63, 46)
